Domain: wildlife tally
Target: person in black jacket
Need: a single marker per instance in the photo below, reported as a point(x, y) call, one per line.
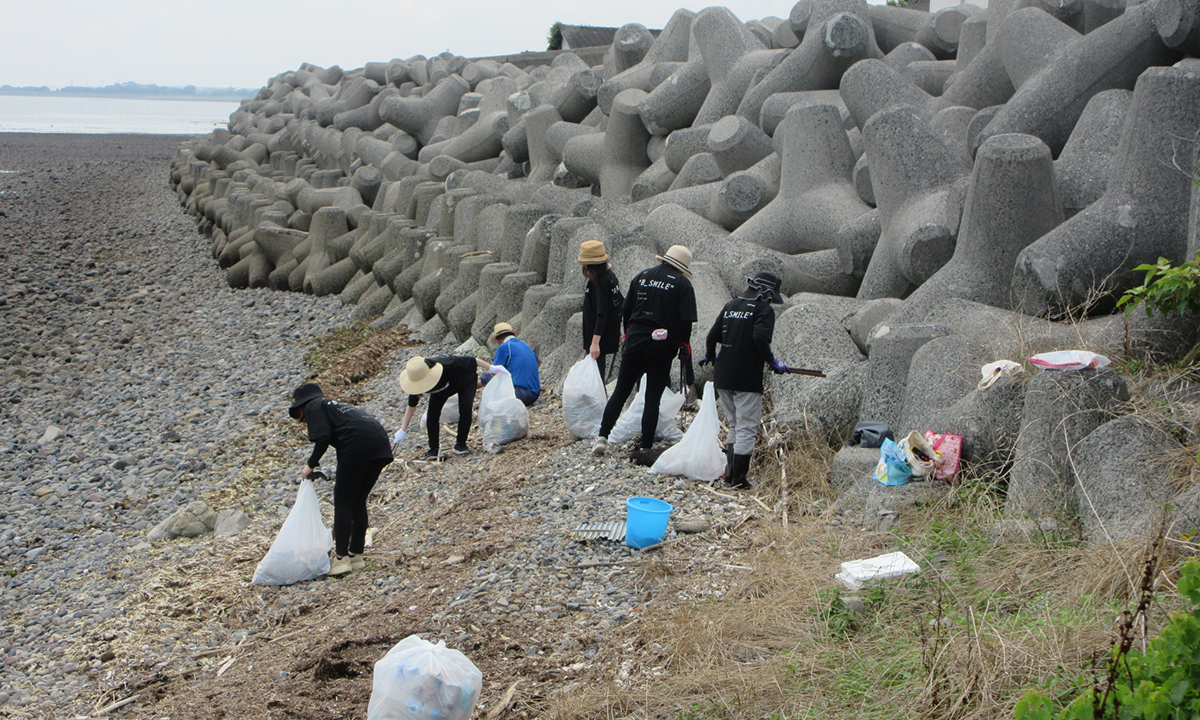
point(744, 330)
point(658, 313)
point(363, 450)
point(441, 378)
point(602, 301)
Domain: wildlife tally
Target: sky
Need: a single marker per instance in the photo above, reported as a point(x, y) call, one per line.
point(243, 43)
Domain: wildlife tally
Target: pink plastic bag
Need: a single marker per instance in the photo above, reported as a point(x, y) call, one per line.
point(1070, 360)
point(949, 453)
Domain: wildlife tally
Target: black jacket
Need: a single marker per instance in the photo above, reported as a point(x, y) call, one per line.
point(602, 313)
point(660, 297)
point(744, 330)
point(357, 436)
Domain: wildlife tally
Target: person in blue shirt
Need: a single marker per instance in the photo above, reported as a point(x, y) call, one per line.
point(515, 356)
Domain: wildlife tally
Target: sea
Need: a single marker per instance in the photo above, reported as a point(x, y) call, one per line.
point(96, 115)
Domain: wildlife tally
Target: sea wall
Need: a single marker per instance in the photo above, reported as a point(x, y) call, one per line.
point(937, 191)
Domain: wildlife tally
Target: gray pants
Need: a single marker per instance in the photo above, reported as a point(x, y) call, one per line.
point(743, 413)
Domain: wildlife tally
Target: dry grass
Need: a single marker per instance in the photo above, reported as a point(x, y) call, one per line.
point(960, 641)
point(347, 356)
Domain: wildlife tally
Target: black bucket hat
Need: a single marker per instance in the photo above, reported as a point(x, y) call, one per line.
point(302, 396)
point(767, 285)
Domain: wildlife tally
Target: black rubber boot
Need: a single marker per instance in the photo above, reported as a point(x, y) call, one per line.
point(741, 466)
point(728, 462)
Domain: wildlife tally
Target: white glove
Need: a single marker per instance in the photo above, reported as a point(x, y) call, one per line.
point(399, 437)
point(497, 369)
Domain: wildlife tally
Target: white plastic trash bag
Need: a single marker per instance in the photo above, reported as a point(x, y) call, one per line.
point(502, 417)
point(583, 399)
point(630, 422)
point(857, 573)
point(301, 549)
point(417, 679)
point(699, 454)
point(449, 412)
point(1070, 360)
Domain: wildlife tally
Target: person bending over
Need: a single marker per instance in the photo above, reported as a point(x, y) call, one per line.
point(441, 378)
point(363, 450)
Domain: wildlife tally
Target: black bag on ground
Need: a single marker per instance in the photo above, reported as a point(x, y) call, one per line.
point(870, 434)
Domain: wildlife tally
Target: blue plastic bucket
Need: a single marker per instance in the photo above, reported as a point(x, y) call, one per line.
point(646, 521)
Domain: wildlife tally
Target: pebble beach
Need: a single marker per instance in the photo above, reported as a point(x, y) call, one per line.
point(137, 381)
point(130, 370)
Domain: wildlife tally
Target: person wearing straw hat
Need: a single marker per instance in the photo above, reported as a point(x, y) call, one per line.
point(658, 313)
point(441, 378)
point(363, 451)
point(602, 301)
point(744, 330)
point(515, 355)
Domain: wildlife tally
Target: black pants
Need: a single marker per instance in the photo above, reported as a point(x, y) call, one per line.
point(653, 361)
point(433, 425)
point(350, 489)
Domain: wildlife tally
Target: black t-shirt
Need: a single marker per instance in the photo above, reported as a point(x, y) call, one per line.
point(660, 297)
point(357, 436)
point(459, 372)
point(739, 364)
point(602, 313)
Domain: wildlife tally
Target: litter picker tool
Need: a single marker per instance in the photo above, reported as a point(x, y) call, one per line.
point(803, 371)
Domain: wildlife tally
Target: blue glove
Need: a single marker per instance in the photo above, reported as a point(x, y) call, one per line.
point(778, 366)
point(703, 361)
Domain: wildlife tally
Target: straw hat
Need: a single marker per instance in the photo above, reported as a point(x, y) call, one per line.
point(678, 256)
point(499, 330)
point(592, 252)
point(302, 396)
point(417, 377)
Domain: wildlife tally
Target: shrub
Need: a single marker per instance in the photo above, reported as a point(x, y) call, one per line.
point(1162, 683)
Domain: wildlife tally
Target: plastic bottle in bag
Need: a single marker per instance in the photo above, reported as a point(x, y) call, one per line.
point(418, 680)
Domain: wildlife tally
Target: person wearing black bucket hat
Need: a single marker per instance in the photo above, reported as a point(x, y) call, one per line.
point(658, 312)
point(363, 451)
point(744, 331)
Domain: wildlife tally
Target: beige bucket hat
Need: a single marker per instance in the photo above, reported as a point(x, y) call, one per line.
point(417, 377)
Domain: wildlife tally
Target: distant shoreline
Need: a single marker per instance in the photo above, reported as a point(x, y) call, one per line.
point(124, 96)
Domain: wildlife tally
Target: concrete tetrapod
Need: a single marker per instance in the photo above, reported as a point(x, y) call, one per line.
point(913, 174)
point(625, 141)
point(737, 144)
point(815, 195)
point(1141, 216)
point(1113, 56)
point(1061, 409)
point(838, 34)
point(721, 40)
point(541, 161)
point(419, 116)
point(670, 46)
point(1178, 23)
point(1029, 39)
point(1012, 202)
point(1085, 163)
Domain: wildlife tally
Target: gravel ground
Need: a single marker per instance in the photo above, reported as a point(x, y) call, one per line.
point(130, 373)
point(137, 381)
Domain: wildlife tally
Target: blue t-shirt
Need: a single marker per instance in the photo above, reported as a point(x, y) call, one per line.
point(520, 360)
